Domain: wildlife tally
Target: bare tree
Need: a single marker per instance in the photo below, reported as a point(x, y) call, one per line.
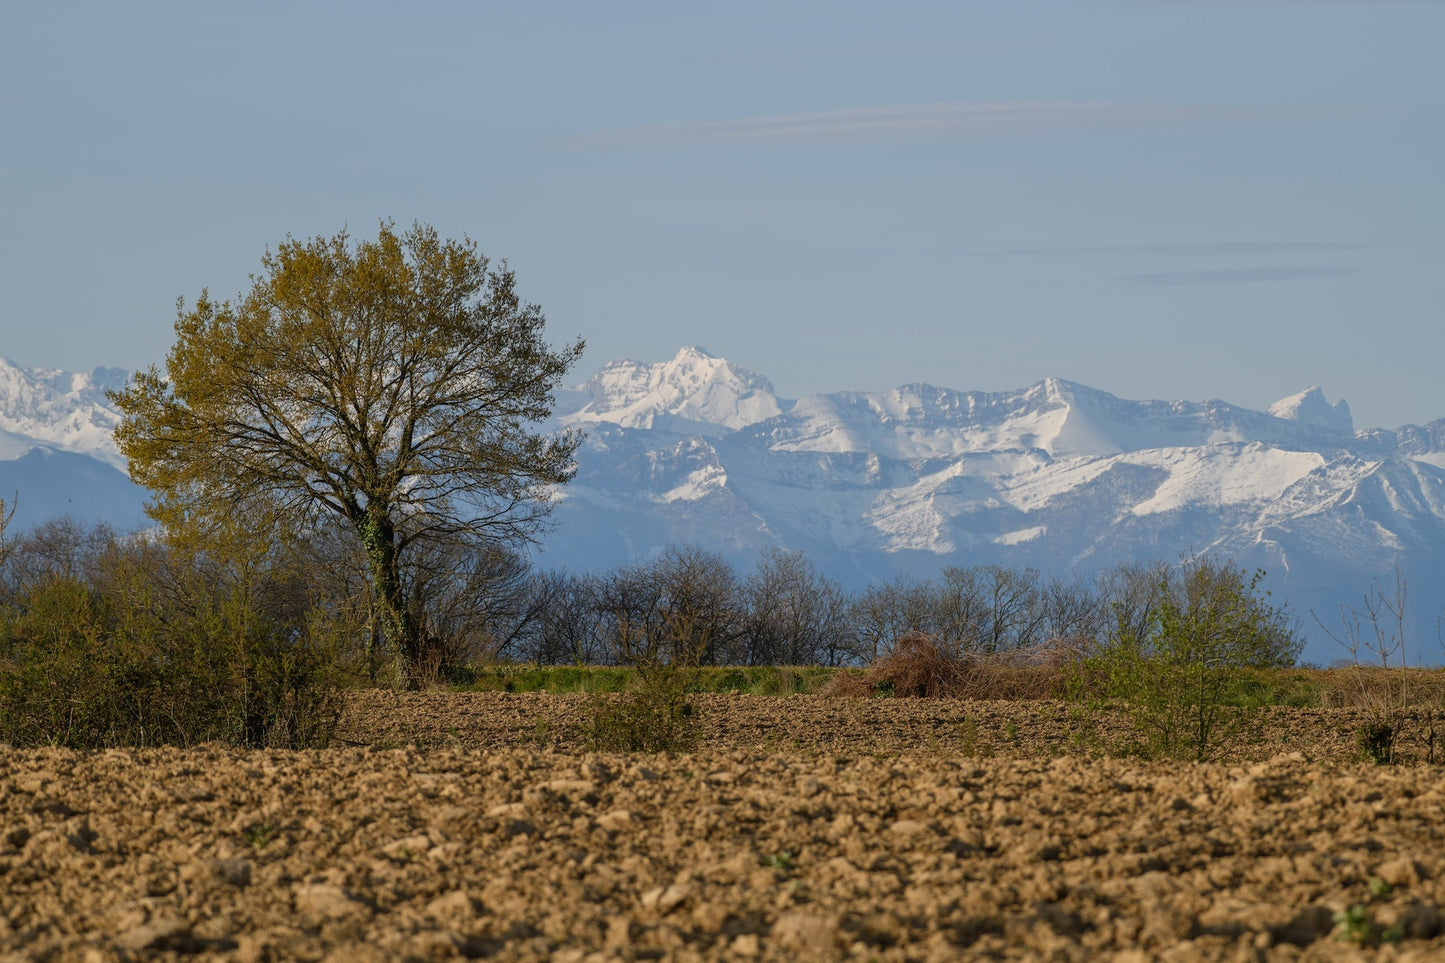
point(884, 613)
point(796, 615)
point(960, 607)
point(1373, 633)
point(630, 603)
point(7, 515)
point(569, 623)
point(702, 605)
point(1130, 594)
point(1015, 618)
point(1073, 613)
point(469, 601)
point(59, 548)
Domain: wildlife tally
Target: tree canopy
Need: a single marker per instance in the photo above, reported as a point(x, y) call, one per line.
point(391, 385)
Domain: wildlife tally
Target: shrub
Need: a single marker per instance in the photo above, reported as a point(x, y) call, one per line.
point(918, 666)
point(156, 645)
point(1377, 742)
point(924, 666)
point(1178, 661)
point(657, 715)
point(1374, 634)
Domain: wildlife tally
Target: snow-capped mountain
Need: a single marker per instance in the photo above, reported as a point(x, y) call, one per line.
point(56, 408)
point(695, 393)
point(57, 453)
point(1058, 476)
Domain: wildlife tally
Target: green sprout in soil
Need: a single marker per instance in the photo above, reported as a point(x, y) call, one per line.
point(1357, 925)
point(258, 835)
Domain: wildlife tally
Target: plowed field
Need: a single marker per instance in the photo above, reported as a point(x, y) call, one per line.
point(803, 828)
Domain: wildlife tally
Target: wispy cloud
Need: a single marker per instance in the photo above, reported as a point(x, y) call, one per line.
point(1177, 249)
point(1232, 276)
point(912, 119)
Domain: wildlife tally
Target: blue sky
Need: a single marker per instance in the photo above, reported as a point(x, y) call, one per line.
point(1159, 198)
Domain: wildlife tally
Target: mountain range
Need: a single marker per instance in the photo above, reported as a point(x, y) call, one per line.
point(1057, 476)
point(57, 454)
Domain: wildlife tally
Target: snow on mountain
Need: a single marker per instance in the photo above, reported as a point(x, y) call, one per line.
point(1057, 476)
point(57, 450)
point(1309, 407)
point(58, 408)
point(695, 392)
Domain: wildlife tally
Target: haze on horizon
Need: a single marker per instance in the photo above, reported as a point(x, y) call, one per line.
point(1187, 199)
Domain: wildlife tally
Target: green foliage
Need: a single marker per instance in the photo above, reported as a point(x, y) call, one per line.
point(154, 646)
point(1377, 742)
point(1182, 669)
point(657, 715)
point(258, 835)
point(767, 680)
point(387, 386)
point(1357, 925)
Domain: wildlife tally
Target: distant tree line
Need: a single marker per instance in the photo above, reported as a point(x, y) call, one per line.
point(474, 604)
point(688, 602)
point(248, 639)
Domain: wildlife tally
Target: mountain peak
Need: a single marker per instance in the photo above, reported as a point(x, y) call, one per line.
point(692, 353)
point(1309, 407)
point(61, 409)
point(695, 393)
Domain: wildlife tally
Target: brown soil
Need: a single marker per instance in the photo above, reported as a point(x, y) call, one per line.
point(804, 828)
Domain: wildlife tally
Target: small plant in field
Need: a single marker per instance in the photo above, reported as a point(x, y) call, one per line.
point(1374, 635)
point(656, 716)
point(965, 735)
point(1377, 742)
point(1357, 925)
point(259, 835)
point(781, 861)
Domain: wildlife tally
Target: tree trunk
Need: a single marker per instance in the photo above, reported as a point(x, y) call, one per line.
point(398, 632)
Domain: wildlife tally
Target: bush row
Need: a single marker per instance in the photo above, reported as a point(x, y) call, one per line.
point(110, 641)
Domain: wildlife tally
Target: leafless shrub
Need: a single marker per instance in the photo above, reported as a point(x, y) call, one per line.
point(1373, 633)
point(921, 666)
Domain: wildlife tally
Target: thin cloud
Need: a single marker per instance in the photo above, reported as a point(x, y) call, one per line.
point(910, 119)
point(1158, 279)
point(1176, 249)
